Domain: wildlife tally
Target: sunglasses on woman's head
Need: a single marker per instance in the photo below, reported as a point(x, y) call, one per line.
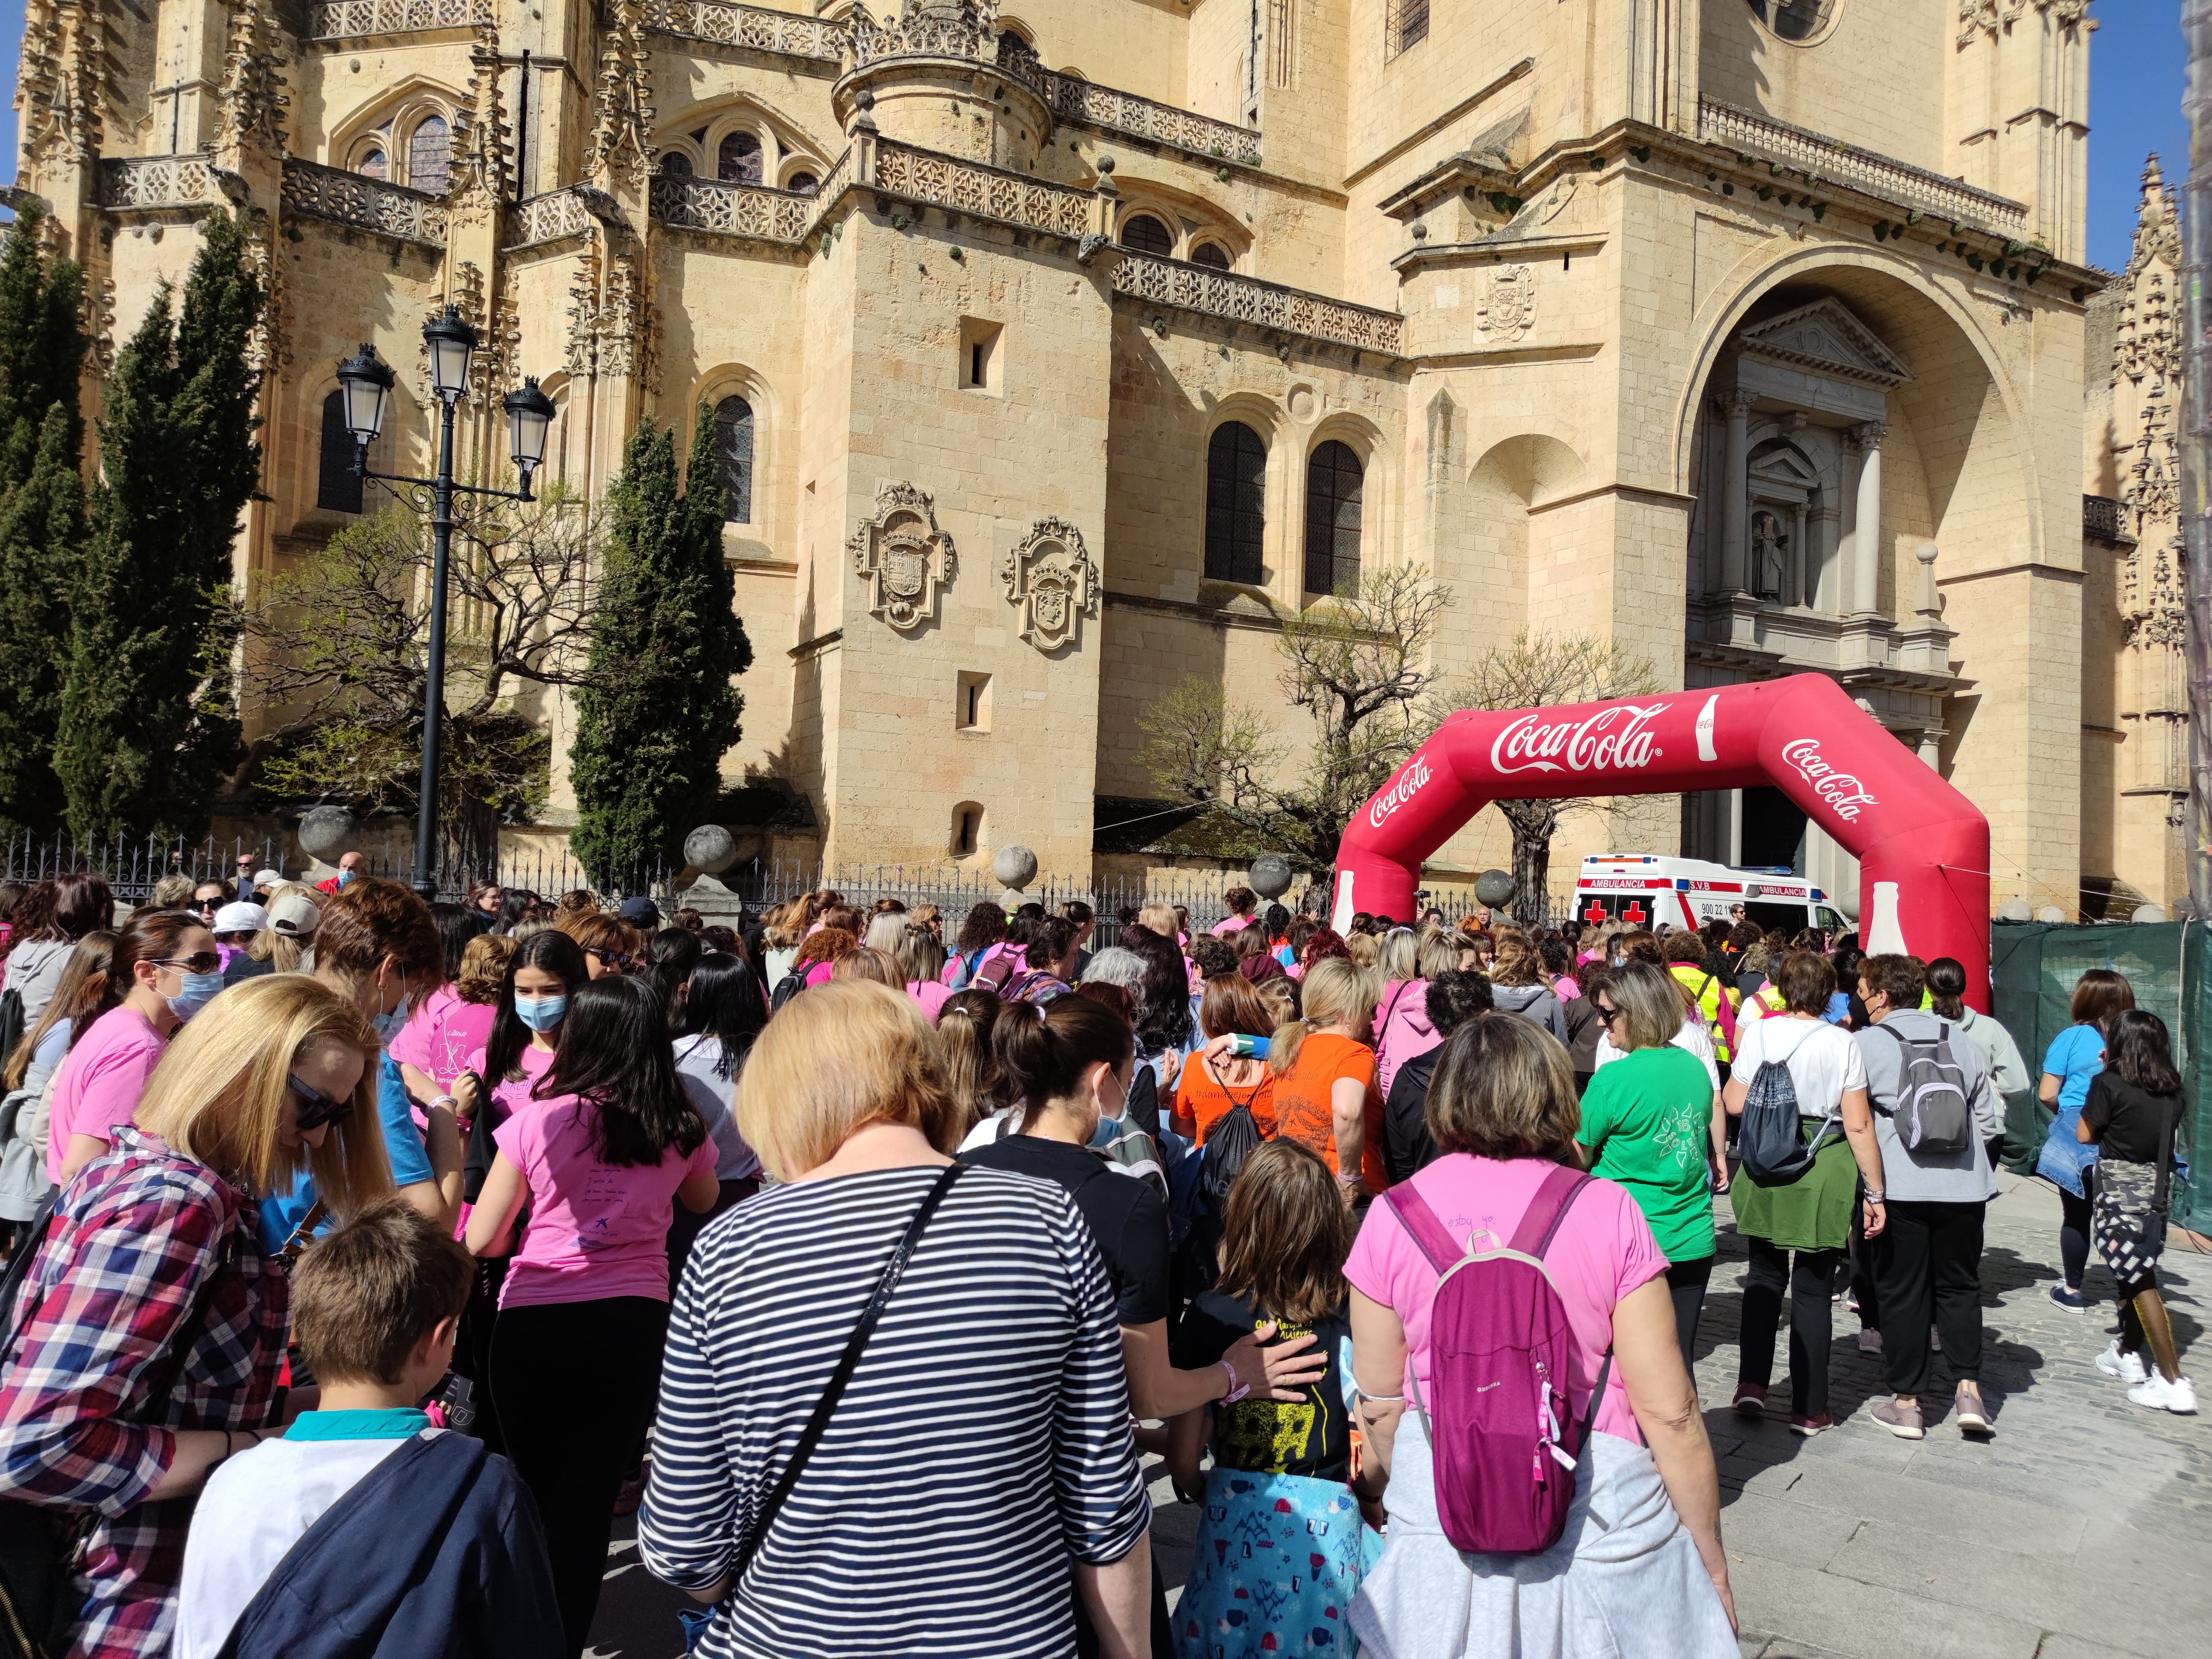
point(614, 959)
point(316, 1107)
point(200, 961)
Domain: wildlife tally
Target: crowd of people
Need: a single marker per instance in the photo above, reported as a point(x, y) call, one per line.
point(373, 1256)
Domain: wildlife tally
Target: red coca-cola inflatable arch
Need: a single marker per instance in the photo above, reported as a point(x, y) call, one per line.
point(1804, 735)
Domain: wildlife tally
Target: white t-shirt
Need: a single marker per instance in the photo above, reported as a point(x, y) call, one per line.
point(1824, 1062)
point(256, 1507)
point(714, 1097)
point(1692, 1039)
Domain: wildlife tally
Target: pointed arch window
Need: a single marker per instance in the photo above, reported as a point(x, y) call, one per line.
point(1147, 235)
point(373, 165)
point(675, 164)
point(1211, 254)
point(1335, 481)
point(338, 486)
point(1236, 503)
point(431, 155)
point(738, 160)
point(733, 454)
point(803, 184)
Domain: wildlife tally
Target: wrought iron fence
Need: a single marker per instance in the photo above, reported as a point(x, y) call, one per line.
point(134, 866)
point(955, 890)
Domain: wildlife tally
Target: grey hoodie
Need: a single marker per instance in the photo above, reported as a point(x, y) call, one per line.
point(1533, 1002)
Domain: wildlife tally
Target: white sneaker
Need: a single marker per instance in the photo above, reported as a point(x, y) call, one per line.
point(2128, 1367)
point(2158, 1395)
point(1869, 1341)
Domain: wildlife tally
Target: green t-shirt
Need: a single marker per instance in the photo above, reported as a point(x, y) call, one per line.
point(1649, 1116)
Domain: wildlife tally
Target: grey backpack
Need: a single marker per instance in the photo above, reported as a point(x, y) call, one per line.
point(1932, 1112)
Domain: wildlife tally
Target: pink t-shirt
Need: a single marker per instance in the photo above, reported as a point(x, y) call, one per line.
point(443, 1034)
point(1603, 1251)
point(507, 1097)
point(97, 1084)
point(1228, 925)
point(596, 1230)
point(929, 996)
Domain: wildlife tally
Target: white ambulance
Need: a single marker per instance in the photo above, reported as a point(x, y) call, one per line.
point(1645, 891)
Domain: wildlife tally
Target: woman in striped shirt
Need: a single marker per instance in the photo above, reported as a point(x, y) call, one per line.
point(981, 1456)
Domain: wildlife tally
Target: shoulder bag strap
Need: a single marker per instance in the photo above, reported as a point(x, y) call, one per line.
point(818, 1423)
point(1561, 1187)
point(1420, 1222)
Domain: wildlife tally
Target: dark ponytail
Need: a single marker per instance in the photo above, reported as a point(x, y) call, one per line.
point(616, 1052)
point(1044, 1058)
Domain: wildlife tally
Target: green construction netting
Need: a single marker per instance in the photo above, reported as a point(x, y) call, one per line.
point(2033, 966)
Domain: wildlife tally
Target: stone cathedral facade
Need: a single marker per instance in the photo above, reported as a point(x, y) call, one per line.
point(1056, 349)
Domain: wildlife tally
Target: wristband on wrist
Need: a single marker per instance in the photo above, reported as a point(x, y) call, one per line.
point(1237, 1390)
point(1873, 1195)
point(445, 1100)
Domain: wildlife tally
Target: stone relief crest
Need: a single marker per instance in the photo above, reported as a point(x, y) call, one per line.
point(902, 555)
point(1508, 310)
point(1050, 579)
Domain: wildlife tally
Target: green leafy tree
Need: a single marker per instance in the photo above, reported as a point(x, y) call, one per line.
point(660, 710)
point(1534, 671)
point(148, 724)
point(41, 514)
point(1357, 665)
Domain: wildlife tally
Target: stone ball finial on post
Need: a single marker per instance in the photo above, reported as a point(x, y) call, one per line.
point(1494, 888)
point(709, 849)
point(327, 834)
point(1014, 866)
point(1269, 876)
point(2015, 909)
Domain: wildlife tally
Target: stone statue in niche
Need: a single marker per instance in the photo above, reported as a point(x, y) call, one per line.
point(1050, 579)
point(1770, 554)
point(1509, 305)
point(902, 555)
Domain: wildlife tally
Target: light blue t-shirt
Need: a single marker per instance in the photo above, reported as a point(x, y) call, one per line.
point(2076, 1055)
point(403, 1143)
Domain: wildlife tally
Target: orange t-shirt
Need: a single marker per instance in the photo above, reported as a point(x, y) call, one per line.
point(1204, 1100)
point(1301, 1103)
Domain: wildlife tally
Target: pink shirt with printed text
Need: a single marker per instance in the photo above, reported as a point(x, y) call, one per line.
point(596, 1228)
point(1603, 1251)
point(97, 1084)
point(444, 1032)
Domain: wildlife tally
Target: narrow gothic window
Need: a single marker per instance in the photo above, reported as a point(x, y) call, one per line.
point(1236, 503)
point(1147, 235)
point(803, 184)
point(739, 161)
point(734, 449)
point(1211, 254)
point(676, 164)
point(430, 155)
point(1333, 486)
point(338, 486)
point(1406, 23)
point(372, 165)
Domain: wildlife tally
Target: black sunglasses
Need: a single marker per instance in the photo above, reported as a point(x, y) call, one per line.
point(1608, 1015)
point(615, 959)
point(200, 961)
point(316, 1107)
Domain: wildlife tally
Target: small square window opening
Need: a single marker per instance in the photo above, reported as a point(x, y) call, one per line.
point(980, 369)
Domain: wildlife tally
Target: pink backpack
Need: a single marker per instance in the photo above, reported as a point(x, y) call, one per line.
point(1501, 1352)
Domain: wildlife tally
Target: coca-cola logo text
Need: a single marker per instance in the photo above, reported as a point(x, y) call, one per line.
point(1400, 792)
point(1615, 738)
point(1842, 791)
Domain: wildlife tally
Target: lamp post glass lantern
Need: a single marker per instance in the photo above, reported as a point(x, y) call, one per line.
point(366, 381)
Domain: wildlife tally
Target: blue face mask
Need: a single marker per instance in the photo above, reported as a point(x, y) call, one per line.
point(345, 877)
point(198, 990)
point(541, 1013)
point(389, 1026)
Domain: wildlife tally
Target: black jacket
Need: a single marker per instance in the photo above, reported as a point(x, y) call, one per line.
point(436, 1552)
point(1406, 1143)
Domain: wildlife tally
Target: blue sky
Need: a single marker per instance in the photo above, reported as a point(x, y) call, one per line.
point(2135, 76)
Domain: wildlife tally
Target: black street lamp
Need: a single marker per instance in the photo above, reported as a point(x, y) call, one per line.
point(366, 383)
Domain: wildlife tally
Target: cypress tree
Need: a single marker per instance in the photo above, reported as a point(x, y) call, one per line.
point(658, 710)
point(41, 514)
point(147, 726)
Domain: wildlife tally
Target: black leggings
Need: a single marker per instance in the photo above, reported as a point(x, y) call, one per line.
point(2073, 1229)
point(1686, 1283)
point(1809, 1278)
point(576, 1383)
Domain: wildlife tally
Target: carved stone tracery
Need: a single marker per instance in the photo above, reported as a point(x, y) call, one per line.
point(2146, 381)
point(903, 557)
point(1050, 579)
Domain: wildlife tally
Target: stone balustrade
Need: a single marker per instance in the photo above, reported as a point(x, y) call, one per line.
point(989, 192)
point(341, 19)
point(1071, 98)
point(734, 210)
point(548, 216)
point(365, 203)
point(153, 181)
point(1833, 161)
point(755, 26)
point(1264, 305)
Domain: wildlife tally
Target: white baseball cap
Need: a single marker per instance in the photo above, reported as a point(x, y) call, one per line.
point(241, 917)
point(265, 880)
point(294, 915)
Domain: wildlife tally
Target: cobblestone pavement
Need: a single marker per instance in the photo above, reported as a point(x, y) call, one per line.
point(2081, 1530)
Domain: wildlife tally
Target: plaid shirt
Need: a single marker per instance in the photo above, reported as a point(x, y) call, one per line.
point(140, 1233)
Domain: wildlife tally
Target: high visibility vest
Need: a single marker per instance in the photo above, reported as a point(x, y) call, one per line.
point(1710, 996)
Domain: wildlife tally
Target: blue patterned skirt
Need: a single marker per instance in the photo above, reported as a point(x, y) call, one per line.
point(1278, 1560)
